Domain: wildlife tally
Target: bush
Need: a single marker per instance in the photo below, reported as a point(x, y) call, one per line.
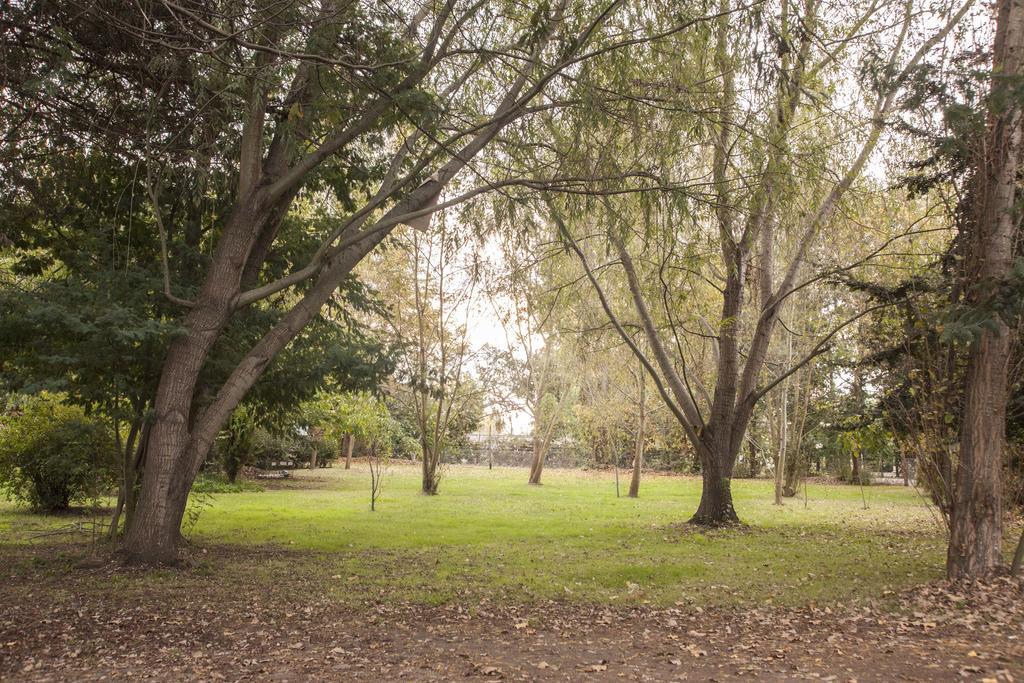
point(53, 455)
point(236, 443)
point(271, 447)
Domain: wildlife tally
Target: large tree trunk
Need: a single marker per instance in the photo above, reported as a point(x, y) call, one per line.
point(431, 480)
point(976, 530)
point(154, 534)
point(716, 508)
point(178, 443)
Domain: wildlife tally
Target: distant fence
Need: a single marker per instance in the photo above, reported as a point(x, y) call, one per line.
point(514, 450)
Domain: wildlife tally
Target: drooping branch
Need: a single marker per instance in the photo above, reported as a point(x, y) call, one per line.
point(154, 200)
point(680, 416)
point(679, 389)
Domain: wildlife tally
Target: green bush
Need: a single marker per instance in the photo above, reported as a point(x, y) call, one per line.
point(236, 443)
point(271, 447)
point(53, 455)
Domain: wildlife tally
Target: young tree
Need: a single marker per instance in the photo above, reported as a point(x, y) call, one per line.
point(236, 441)
point(429, 284)
point(441, 392)
point(538, 366)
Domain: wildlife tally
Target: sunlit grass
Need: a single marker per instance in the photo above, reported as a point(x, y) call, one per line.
point(490, 535)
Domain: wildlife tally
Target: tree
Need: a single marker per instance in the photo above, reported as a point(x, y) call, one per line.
point(638, 454)
point(745, 201)
point(440, 348)
point(381, 109)
point(84, 314)
point(976, 528)
point(344, 418)
point(535, 369)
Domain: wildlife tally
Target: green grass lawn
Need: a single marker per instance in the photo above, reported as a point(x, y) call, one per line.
point(490, 535)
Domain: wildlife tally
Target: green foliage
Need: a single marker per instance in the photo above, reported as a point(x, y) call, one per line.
point(52, 454)
point(991, 302)
point(355, 413)
point(236, 442)
point(272, 446)
point(363, 416)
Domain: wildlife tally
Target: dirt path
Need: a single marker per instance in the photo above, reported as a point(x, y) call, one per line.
point(108, 623)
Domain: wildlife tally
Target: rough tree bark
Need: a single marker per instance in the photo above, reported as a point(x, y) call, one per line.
point(175, 452)
point(976, 529)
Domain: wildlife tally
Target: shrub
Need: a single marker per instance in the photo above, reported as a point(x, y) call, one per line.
point(237, 442)
point(270, 447)
point(53, 455)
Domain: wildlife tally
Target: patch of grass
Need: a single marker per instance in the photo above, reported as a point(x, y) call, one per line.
point(215, 483)
point(490, 535)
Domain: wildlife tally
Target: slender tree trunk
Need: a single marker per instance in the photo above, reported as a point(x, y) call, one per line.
point(542, 440)
point(132, 475)
point(797, 465)
point(755, 462)
point(350, 443)
point(638, 460)
point(615, 460)
point(426, 483)
point(638, 456)
point(115, 519)
point(976, 530)
point(1018, 557)
point(490, 445)
point(780, 468)
point(537, 464)
point(780, 462)
point(127, 453)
